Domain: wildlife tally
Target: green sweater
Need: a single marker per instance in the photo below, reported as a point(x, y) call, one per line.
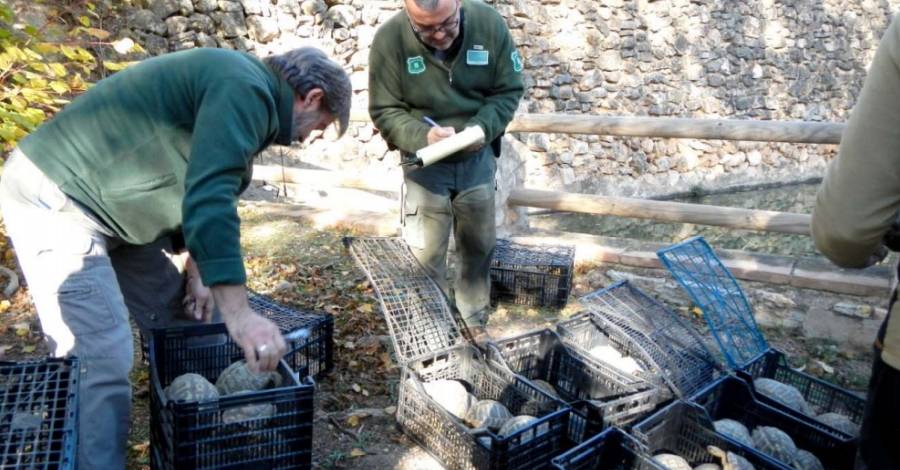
point(406, 82)
point(860, 196)
point(167, 145)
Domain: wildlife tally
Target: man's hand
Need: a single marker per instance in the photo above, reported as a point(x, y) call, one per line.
point(259, 338)
point(437, 134)
point(198, 300)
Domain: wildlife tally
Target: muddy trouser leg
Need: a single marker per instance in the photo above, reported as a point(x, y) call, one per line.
point(475, 232)
point(426, 228)
point(63, 254)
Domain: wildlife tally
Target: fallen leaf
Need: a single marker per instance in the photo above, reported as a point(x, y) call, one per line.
point(353, 421)
point(4, 306)
point(349, 345)
point(697, 311)
point(390, 409)
point(29, 348)
point(22, 329)
point(353, 364)
point(356, 388)
point(386, 361)
point(357, 452)
point(366, 308)
point(825, 367)
point(365, 393)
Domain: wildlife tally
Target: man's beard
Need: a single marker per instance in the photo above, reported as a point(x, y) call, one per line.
point(302, 125)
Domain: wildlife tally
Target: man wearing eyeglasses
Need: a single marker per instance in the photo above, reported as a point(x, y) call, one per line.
point(452, 62)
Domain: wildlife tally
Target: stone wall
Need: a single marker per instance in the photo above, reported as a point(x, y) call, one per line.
point(785, 60)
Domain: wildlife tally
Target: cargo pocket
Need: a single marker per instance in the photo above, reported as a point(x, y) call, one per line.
point(413, 230)
point(86, 305)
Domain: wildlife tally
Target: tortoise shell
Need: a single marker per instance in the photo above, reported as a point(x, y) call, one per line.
point(806, 460)
point(546, 388)
point(840, 422)
point(775, 442)
point(450, 395)
point(785, 394)
point(516, 424)
point(672, 462)
point(191, 387)
point(237, 377)
point(734, 430)
point(489, 414)
point(247, 412)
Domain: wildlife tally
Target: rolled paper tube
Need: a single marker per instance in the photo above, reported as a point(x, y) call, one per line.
point(438, 150)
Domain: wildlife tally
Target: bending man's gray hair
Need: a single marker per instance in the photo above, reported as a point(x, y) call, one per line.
point(306, 68)
point(427, 5)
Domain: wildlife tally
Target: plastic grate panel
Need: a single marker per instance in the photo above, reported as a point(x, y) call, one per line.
point(712, 287)
point(531, 275)
point(674, 349)
point(418, 316)
point(610, 450)
point(38, 412)
point(458, 446)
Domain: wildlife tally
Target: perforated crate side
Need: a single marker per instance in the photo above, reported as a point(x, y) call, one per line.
point(39, 413)
point(583, 332)
point(673, 348)
point(417, 313)
point(452, 442)
point(196, 435)
point(606, 397)
point(610, 450)
point(531, 275)
point(732, 398)
point(684, 429)
point(695, 266)
point(315, 354)
point(822, 396)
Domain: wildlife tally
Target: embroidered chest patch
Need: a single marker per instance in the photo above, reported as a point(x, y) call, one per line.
point(415, 65)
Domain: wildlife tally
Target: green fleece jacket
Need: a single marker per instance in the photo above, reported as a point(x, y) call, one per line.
point(860, 196)
point(481, 85)
point(167, 145)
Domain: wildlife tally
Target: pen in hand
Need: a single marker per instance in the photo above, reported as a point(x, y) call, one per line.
point(430, 121)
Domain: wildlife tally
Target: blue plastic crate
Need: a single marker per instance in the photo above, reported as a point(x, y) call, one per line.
point(39, 414)
point(603, 394)
point(673, 349)
point(702, 274)
point(685, 429)
point(712, 287)
point(612, 449)
point(733, 398)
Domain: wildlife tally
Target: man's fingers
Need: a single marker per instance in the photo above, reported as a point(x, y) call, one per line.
point(250, 356)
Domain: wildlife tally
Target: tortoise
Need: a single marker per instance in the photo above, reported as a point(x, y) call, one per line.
point(191, 387)
point(605, 353)
point(730, 460)
point(775, 442)
point(240, 414)
point(840, 422)
point(708, 466)
point(516, 424)
point(238, 377)
point(489, 414)
point(805, 460)
point(734, 430)
point(785, 394)
point(545, 387)
point(450, 395)
point(672, 462)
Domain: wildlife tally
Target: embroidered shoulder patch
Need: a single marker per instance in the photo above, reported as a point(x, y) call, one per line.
point(415, 65)
point(516, 61)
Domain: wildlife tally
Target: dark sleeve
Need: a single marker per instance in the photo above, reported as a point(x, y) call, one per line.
point(233, 122)
point(389, 112)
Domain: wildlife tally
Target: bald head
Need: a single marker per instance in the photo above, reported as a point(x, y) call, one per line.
point(427, 5)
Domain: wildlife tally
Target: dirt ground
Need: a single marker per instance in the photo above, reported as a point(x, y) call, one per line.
point(354, 426)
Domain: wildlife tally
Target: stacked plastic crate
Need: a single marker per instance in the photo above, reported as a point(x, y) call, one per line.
point(428, 343)
point(267, 428)
point(39, 414)
point(539, 276)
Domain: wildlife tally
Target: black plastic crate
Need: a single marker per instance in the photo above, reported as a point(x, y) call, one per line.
point(822, 396)
point(418, 317)
point(605, 395)
point(685, 429)
point(584, 331)
point(456, 445)
point(733, 398)
point(314, 354)
point(672, 348)
point(39, 414)
point(612, 449)
point(195, 435)
point(533, 275)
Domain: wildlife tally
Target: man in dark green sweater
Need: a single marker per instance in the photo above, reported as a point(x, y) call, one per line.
point(453, 62)
point(160, 149)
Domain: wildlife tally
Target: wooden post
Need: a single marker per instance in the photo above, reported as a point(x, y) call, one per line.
point(665, 211)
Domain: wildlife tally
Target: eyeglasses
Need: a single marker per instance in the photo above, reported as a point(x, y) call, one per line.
point(446, 26)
